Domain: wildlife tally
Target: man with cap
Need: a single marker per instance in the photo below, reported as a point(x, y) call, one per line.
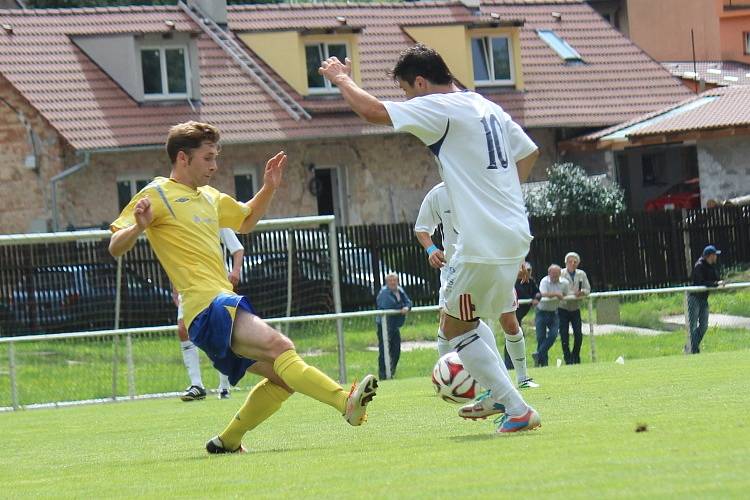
point(704, 274)
point(569, 310)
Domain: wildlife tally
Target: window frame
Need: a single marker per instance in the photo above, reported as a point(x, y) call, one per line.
point(328, 87)
point(163, 69)
point(251, 171)
point(133, 180)
point(491, 62)
point(746, 42)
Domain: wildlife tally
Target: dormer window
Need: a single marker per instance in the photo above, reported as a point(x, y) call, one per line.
point(314, 54)
point(492, 60)
point(165, 72)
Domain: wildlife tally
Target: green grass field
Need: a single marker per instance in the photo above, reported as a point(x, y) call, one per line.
point(693, 407)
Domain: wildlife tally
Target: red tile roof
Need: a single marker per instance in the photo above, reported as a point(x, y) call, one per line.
point(719, 108)
point(714, 72)
point(91, 111)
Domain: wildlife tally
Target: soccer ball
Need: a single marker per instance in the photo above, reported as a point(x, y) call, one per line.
point(452, 383)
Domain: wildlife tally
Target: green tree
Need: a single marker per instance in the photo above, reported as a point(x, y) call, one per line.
point(570, 191)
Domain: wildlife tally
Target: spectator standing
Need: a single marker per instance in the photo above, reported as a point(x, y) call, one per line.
point(553, 289)
point(704, 274)
point(391, 296)
point(569, 311)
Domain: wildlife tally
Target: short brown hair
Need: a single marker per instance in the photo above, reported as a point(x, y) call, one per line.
point(189, 136)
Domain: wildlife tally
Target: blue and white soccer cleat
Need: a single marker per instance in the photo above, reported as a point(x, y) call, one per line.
point(360, 396)
point(482, 407)
point(529, 421)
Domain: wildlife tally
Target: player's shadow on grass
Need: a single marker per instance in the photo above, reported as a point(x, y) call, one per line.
point(467, 438)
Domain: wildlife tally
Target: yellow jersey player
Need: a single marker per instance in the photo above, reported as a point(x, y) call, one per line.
point(181, 216)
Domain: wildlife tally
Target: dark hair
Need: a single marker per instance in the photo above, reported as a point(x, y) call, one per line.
point(189, 136)
point(420, 60)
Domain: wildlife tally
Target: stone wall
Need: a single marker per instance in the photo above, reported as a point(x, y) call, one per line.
point(30, 154)
point(724, 168)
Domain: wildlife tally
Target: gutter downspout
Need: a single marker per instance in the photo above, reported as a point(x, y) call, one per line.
point(53, 186)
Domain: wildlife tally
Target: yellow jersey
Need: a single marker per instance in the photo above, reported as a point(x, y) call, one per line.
point(184, 235)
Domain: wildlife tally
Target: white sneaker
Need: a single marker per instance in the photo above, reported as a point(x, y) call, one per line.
point(359, 396)
point(482, 407)
point(528, 383)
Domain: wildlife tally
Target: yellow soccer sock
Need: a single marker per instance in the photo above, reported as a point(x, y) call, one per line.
point(309, 380)
point(263, 401)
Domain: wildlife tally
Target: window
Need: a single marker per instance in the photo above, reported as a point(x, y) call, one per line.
point(165, 72)
point(560, 46)
point(127, 188)
point(747, 42)
point(492, 60)
point(316, 53)
point(244, 185)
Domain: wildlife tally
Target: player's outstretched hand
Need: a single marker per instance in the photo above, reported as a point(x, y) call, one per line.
point(275, 170)
point(436, 259)
point(143, 213)
point(332, 68)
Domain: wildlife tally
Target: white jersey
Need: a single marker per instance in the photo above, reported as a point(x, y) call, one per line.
point(477, 145)
point(435, 210)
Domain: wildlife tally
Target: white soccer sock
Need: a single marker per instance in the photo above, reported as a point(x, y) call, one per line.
point(223, 382)
point(482, 364)
point(488, 337)
point(516, 346)
point(192, 362)
point(443, 346)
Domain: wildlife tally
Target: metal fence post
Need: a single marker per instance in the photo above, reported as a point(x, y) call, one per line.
point(289, 271)
point(386, 347)
point(131, 365)
point(333, 249)
point(12, 373)
point(591, 330)
point(116, 338)
point(688, 342)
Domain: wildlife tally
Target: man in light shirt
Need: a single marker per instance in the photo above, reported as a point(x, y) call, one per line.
point(553, 290)
point(483, 156)
point(569, 311)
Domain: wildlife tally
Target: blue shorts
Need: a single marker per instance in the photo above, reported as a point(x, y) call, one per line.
point(211, 330)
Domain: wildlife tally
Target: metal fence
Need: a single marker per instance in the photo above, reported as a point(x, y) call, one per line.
point(145, 362)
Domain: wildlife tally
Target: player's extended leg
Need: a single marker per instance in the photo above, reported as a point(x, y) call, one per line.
point(515, 344)
point(264, 400)
point(192, 363)
point(253, 338)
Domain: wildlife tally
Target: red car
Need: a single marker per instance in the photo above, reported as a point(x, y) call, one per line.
point(686, 194)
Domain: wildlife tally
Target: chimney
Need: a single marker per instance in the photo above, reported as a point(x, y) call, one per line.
point(215, 9)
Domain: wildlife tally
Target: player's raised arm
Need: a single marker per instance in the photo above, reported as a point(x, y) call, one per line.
point(364, 104)
point(259, 203)
point(124, 239)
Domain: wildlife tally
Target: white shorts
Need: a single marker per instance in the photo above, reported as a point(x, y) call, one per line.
point(473, 291)
point(180, 312)
point(443, 282)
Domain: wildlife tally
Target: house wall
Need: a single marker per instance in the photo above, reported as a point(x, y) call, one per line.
point(733, 28)
point(594, 163)
point(26, 139)
point(724, 169)
point(662, 28)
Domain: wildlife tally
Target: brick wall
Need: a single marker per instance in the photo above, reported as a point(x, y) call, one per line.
point(723, 166)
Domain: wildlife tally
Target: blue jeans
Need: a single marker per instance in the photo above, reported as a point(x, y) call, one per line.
point(698, 319)
point(568, 319)
point(547, 325)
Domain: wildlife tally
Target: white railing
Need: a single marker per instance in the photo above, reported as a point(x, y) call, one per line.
point(338, 317)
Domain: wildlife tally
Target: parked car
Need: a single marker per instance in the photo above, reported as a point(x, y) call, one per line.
point(685, 194)
point(82, 297)
point(265, 279)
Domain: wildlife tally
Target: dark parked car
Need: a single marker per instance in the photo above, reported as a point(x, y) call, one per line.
point(82, 297)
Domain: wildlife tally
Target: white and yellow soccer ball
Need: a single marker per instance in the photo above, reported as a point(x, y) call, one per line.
point(452, 382)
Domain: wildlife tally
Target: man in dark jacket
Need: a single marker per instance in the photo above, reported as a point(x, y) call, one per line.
point(526, 288)
point(391, 296)
point(704, 274)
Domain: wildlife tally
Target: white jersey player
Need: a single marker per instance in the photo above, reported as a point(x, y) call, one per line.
point(436, 210)
point(229, 243)
point(483, 156)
